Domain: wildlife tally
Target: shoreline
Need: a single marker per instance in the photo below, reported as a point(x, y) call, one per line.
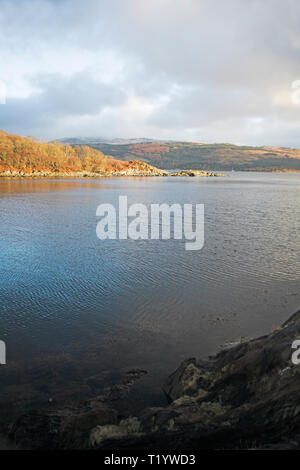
point(190, 173)
point(163, 173)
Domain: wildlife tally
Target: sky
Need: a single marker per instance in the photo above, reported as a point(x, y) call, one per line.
point(195, 70)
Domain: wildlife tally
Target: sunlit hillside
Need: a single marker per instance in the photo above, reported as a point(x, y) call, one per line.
point(27, 156)
point(199, 156)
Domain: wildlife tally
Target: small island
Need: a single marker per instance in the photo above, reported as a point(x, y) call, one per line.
point(201, 173)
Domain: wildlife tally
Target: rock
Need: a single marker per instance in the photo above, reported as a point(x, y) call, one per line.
point(244, 397)
point(132, 375)
point(202, 173)
point(188, 379)
point(127, 428)
point(130, 168)
point(67, 428)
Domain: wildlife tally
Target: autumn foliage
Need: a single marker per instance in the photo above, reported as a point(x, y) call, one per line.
point(154, 150)
point(29, 156)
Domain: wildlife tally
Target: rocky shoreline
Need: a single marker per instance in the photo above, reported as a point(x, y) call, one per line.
point(199, 173)
point(135, 169)
point(244, 397)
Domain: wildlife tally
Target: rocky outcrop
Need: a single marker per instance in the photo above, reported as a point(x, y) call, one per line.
point(131, 168)
point(195, 173)
point(137, 168)
point(66, 428)
point(246, 396)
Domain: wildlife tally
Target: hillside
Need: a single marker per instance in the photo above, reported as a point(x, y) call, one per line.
point(20, 156)
point(185, 155)
point(26, 156)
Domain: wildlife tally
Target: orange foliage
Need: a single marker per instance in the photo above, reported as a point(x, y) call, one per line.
point(30, 156)
point(153, 150)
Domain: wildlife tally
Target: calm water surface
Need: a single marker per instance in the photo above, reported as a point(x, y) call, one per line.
point(145, 303)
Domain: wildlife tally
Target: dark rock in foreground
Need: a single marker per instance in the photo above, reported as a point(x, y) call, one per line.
point(244, 397)
point(67, 428)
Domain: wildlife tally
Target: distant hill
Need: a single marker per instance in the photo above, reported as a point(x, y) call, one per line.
point(103, 140)
point(25, 156)
point(199, 156)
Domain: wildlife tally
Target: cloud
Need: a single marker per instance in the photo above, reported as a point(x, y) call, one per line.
point(59, 97)
point(197, 70)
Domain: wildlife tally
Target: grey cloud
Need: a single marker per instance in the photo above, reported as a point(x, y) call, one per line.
point(59, 97)
point(230, 61)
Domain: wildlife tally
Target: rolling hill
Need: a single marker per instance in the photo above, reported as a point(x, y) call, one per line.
point(199, 156)
point(25, 156)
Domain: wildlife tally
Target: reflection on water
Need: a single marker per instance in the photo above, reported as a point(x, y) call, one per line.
point(144, 303)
